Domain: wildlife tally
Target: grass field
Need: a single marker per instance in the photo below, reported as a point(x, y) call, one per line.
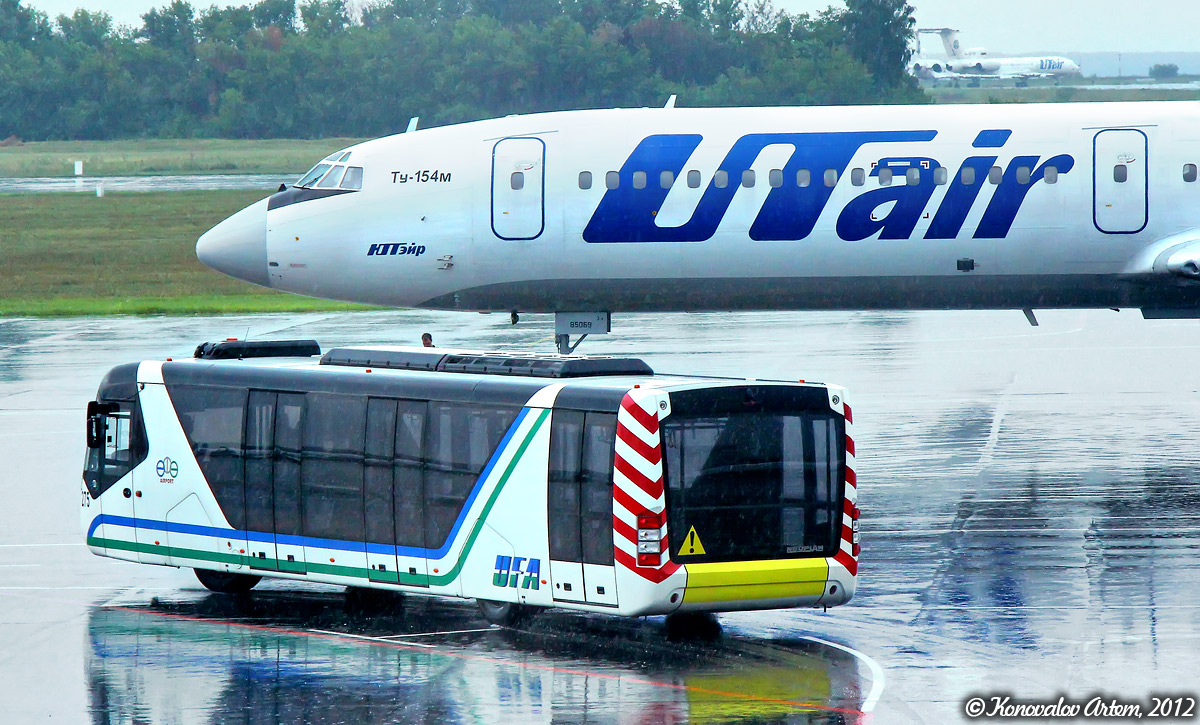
point(76, 254)
point(1047, 92)
point(142, 157)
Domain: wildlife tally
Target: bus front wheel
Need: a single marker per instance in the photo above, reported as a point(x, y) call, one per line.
point(226, 582)
point(505, 614)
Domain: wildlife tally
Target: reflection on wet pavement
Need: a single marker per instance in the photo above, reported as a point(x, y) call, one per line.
point(286, 658)
point(1030, 513)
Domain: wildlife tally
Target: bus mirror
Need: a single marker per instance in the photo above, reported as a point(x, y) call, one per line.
point(96, 426)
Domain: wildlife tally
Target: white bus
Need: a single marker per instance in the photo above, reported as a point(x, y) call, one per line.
point(586, 483)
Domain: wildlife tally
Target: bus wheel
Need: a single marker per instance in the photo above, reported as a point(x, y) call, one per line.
point(505, 614)
point(226, 582)
point(693, 626)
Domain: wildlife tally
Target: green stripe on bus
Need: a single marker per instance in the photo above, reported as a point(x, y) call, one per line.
point(330, 569)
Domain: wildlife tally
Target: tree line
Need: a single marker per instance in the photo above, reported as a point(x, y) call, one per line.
point(282, 69)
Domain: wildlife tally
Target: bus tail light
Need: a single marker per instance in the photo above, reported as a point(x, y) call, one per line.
point(854, 527)
point(649, 543)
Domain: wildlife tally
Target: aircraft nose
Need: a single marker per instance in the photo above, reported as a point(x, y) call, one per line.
point(238, 246)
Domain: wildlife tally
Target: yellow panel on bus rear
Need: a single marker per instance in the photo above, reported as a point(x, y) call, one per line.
point(737, 580)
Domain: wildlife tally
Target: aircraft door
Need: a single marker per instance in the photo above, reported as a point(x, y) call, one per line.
point(518, 188)
point(1120, 181)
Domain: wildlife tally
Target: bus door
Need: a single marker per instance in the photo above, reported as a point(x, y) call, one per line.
point(518, 188)
point(393, 492)
point(260, 480)
point(116, 443)
point(580, 507)
point(1120, 182)
point(272, 445)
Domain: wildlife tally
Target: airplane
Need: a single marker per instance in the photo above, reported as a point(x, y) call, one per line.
point(975, 63)
point(1014, 206)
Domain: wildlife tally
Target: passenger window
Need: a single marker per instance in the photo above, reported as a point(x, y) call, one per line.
point(1050, 174)
point(353, 178)
point(639, 179)
point(693, 179)
point(666, 179)
point(831, 177)
point(517, 181)
point(803, 177)
point(333, 178)
point(885, 177)
point(1120, 173)
point(968, 176)
point(612, 180)
point(995, 175)
point(941, 176)
point(912, 177)
point(1189, 172)
point(858, 177)
point(585, 179)
point(212, 419)
point(1024, 174)
point(721, 179)
point(775, 178)
point(748, 178)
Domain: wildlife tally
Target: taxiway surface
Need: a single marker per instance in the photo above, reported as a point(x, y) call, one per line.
point(1031, 527)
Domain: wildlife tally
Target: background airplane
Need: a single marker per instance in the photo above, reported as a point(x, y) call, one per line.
point(976, 63)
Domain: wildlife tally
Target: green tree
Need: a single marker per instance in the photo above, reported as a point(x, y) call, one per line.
point(1162, 71)
point(323, 18)
point(879, 33)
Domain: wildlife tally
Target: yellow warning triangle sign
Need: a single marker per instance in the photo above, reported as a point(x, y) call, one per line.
point(691, 544)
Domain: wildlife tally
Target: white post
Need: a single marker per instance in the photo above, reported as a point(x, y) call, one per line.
point(79, 168)
point(99, 191)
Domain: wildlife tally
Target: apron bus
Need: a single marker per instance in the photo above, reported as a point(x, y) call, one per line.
point(586, 483)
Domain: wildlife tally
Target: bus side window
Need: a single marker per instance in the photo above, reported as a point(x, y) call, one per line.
point(289, 422)
point(408, 473)
point(212, 419)
point(378, 497)
point(596, 487)
point(331, 467)
point(563, 494)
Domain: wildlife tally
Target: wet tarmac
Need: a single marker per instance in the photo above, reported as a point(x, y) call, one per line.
point(1030, 515)
point(89, 184)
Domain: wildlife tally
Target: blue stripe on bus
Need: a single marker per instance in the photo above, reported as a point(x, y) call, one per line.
point(289, 540)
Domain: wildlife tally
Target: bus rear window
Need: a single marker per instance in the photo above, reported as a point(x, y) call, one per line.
point(756, 472)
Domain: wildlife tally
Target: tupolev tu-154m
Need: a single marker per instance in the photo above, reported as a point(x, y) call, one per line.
point(1085, 205)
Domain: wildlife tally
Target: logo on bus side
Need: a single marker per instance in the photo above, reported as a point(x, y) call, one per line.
point(167, 470)
point(510, 569)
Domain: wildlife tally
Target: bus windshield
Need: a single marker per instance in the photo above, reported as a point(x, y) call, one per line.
point(753, 472)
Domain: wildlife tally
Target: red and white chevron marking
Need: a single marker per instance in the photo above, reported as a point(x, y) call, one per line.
point(638, 482)
point(845, 555)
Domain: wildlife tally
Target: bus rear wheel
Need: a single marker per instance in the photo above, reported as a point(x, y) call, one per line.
point(225, 582)
point(505, 614)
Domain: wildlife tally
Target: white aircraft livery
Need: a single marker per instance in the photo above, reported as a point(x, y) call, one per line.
point(673, 209)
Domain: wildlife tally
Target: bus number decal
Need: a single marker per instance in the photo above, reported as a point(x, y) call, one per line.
point(510, 569)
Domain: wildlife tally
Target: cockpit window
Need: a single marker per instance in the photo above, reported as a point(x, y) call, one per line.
point(311, 177)
point(353, 178)
point(344, 157)
point(333, 178)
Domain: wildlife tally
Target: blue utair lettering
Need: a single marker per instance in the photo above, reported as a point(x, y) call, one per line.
point(1010, 194)
point(789, 213)
point(959, 199)
point(857, 220)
